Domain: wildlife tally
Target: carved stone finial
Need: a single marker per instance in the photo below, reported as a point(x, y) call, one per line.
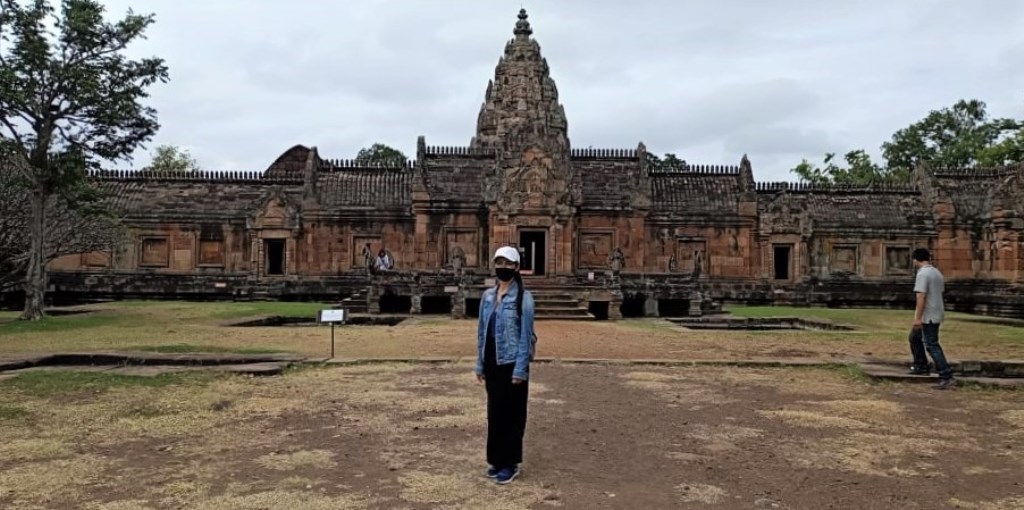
point(523, 28)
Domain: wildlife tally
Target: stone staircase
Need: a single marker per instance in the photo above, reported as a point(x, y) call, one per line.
point(558, 303)
point(356, 303)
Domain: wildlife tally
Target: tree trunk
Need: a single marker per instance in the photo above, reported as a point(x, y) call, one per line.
point(35, 280)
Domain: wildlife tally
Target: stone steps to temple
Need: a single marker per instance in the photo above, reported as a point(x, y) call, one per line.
point(356, 303)
point(567, 311)
point(558, 302)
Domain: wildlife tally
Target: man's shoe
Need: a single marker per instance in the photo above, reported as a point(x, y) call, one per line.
point(945, 384)
point(918, 371)
point(492, 472)
point(506, 475)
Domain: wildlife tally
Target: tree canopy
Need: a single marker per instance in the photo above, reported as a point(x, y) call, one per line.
point(960, 136)
point(70, 98)
point(171, 159)
point(669, 162)
point(379, 154)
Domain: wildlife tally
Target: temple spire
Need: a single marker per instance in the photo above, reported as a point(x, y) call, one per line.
point(523, 28)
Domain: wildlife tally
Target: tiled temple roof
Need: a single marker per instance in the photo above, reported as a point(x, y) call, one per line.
point(455, 176)
point(708, 191)
point(170, 199)
point(385, 188)
point(607, 182)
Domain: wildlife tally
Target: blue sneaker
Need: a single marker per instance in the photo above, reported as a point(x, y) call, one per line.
point(492, 472)
point(506, 475)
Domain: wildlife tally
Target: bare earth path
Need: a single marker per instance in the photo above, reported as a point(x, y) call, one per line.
point(411, 437)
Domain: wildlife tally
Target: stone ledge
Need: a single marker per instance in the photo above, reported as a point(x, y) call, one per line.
point(887, 372)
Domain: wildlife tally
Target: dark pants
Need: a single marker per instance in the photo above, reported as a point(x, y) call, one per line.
point(506, 416)
point(924, 340)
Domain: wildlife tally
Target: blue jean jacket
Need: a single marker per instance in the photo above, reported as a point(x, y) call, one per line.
point(513, 344)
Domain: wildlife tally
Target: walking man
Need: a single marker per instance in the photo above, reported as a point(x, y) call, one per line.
point(928, 316)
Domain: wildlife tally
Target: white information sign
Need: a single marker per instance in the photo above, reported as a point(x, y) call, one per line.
point(333, 315)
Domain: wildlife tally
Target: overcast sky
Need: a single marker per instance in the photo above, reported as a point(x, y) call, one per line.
point(708, 80)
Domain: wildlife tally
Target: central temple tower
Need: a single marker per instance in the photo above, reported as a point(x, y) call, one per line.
point(533, 191)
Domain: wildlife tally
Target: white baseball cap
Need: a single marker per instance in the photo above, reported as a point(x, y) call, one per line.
point(507, 252)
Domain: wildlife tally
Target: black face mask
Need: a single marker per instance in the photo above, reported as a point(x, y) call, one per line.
point(505, 274)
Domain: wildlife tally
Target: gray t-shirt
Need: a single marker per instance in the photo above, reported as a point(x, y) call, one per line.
point(929, 280)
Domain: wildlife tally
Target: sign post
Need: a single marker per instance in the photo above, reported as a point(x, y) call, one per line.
point(333, 316)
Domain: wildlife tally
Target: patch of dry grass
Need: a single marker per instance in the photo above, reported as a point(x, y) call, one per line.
point(285, 499)
point(1014, 418)
point(295, 460)
point(420, 487)
point(719, 438)
point(700, 493)
point(1014, 503)
point(688, 387)
point(33, 449)
point(870, 454)
point(52, 480)
point(872, 410)
point(814, 419)
point(135, 504)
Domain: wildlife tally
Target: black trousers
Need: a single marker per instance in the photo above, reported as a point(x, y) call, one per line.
point(506, 416)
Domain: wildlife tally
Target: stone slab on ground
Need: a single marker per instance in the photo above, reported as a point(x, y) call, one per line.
point(259, 369)
point(968, 368)
point(887, 372)
point(143, 359)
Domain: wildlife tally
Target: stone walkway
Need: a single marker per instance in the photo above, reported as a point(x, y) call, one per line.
point(997, 374)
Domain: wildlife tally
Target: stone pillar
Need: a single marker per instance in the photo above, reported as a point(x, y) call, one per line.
point(459, 304)
point(373, 299)
point(417, 303)
point(651, 306)
point(696, 306)
point(615, 306)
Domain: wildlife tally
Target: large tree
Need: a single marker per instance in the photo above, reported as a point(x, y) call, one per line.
point(69, 99)
point(171, 159)
point(81, 223)
point(379, 154)
point(957, 137)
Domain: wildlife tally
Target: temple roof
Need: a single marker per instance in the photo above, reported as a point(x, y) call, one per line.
point(170, 199)
point(379, 188)
point(703, 193)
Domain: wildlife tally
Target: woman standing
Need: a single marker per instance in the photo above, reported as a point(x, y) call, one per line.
point(504, 351)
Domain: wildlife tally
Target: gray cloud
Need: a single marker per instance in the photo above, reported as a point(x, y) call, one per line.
point(708, 80)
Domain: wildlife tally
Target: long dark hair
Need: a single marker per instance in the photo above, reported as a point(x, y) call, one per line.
point(519, 296)
point(518, 278)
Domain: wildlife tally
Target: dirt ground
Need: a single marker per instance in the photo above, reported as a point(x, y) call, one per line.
point(412, 437)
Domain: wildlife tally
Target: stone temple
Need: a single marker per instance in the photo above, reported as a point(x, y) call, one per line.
point(602, 232)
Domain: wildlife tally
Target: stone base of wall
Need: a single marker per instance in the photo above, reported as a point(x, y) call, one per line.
point(643, 295)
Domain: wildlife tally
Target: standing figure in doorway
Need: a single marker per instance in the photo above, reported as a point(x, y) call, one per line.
point(368, 258)
point(505, 348)
point(384, 262)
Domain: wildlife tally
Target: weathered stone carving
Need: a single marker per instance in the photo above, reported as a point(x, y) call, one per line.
point(617, 260)
point(458, 259)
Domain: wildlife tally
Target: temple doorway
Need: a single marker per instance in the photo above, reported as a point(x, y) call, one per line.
point(533, 249)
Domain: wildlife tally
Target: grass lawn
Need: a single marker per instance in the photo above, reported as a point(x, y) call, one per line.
point(175, 327)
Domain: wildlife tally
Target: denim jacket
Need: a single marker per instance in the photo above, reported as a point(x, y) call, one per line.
point(513, 344)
